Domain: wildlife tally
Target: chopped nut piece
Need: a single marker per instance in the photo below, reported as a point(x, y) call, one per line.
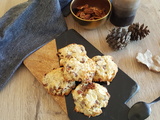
point(90, 13)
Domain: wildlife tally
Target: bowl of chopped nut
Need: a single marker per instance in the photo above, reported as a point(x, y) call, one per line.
point(90, 14)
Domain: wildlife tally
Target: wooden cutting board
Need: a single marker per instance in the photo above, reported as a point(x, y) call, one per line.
point(121, 89)
point(43, 61)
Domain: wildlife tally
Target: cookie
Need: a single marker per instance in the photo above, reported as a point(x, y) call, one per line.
point(55, 83)
point(70, 51)
point(90, 98)
point(106, 69)
point(77, 70)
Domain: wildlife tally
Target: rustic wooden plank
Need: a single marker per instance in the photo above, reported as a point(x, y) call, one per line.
point(43, 61)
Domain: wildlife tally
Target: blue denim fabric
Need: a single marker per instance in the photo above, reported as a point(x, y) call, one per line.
point(24, 29)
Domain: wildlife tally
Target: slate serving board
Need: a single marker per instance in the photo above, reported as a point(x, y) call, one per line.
point(121, 89)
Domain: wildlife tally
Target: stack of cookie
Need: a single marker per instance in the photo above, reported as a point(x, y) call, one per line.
point(89, 97)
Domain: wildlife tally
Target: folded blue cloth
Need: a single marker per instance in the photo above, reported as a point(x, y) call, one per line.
point(24, 29)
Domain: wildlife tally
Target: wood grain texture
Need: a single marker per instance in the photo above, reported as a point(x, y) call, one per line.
point(43, 61)
point(24, 98)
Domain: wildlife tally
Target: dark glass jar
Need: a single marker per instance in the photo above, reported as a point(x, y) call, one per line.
point(123, 12)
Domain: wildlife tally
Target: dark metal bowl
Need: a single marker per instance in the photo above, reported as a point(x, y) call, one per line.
point(91, 24)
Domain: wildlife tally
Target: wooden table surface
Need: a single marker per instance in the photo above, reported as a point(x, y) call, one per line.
point(24, 98)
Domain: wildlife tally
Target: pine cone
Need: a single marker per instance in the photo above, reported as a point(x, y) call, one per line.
point(118, 38)
point(138, 32)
